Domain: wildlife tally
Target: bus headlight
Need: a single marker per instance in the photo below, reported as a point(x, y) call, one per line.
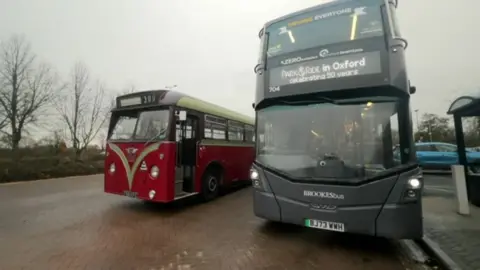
point(413, 189)
point(154, 171)
point(259, 180)
point(255, 178)
point(151, 194)
point(253, 174)
point(112, 168)
point(414, 184)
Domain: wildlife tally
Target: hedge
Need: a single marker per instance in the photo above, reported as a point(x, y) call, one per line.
point(46, 167)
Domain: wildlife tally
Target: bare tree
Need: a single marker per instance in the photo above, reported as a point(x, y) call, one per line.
point(26, 89)
point(126, 90)
point(103, 134)
point(102, 137)
point(83, 110)
point(130, 88)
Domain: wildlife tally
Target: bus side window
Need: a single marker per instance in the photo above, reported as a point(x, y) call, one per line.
point(208, 130)
point(235, 131)
point(249, 133)
point(215, 128)
point(189, 131)
point(219, 132)
point(178, 133)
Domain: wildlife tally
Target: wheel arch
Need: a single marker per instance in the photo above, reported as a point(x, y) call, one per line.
point(217, 166)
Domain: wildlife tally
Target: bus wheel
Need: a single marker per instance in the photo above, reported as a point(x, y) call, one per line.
point(210, 185)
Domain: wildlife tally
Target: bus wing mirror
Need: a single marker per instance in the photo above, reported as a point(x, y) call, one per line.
point(413, 89)
point(182, 115)
point(253, 105)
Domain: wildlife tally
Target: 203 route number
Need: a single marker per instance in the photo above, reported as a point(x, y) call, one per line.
point(273, 89)
point(148, 99)
point(325, 225)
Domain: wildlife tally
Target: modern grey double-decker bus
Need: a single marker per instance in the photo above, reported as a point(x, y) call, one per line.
point(332, 101)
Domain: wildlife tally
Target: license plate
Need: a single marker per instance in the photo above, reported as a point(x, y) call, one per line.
point(325, 225)
point(130, 194)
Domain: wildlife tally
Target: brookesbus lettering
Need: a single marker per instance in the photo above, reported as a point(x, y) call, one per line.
point(321, 194)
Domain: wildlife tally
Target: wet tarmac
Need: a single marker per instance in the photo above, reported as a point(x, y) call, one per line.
point(71, 224)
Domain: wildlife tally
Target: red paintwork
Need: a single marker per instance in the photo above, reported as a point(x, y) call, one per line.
point(236, 161)
point(117, 182)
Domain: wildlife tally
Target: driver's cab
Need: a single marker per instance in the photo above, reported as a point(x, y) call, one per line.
point(187, 138)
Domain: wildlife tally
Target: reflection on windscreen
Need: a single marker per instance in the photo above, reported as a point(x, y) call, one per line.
point(144, 125)
point(124, 128)
point(338, 23)
point(328, 141)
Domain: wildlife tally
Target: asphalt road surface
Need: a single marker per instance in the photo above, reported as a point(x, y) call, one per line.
point(71, 224)
point(439, 184)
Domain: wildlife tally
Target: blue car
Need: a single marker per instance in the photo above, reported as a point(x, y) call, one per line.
point(438, 155)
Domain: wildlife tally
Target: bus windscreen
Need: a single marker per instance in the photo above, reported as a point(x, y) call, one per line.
point(354, 140)
point(327, 25)
point(142, 125)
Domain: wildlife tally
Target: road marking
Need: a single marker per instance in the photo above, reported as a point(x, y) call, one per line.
point(439, 186)
point(49, 179)
point(439, 189)
point(437, 172)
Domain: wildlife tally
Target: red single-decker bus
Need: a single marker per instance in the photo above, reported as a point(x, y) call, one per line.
point(164, 145)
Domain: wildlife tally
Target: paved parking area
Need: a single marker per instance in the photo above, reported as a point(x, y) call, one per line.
point(72, 224)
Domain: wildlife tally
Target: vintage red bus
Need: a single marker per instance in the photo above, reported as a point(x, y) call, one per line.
point(164, 145)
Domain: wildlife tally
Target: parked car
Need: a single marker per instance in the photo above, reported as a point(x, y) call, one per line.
point(438, 155)
point(475, 149)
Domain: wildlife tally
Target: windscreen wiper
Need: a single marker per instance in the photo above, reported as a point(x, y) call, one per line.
point(156, 135)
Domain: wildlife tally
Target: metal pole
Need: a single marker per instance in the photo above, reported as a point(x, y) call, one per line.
point(416, 115)
point(430, 131)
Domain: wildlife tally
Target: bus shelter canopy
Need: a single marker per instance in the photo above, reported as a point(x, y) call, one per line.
point(465, 106)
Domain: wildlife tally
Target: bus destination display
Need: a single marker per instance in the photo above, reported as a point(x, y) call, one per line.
point(325, 69)
point(145, 99)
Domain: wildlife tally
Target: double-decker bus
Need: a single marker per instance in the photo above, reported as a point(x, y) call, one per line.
point(164, 145)
point(332, 99)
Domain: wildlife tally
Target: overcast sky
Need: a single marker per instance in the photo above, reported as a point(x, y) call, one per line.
point(209, 47)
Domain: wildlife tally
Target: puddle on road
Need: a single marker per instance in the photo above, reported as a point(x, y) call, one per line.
point(179, 264)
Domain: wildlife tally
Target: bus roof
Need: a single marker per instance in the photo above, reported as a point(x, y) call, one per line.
point(169, 97)
point(327, 3)
point(210, 108)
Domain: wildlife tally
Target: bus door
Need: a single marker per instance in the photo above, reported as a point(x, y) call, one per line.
point(187, 138)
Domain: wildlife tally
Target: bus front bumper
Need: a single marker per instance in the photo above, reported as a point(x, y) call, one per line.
point(393, 221)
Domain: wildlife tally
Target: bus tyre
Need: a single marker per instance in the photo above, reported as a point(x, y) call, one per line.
point(210, 185)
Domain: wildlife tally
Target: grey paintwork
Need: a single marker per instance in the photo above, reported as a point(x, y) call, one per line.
point(319, 7)
point(378, 208)
point(392, 80)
